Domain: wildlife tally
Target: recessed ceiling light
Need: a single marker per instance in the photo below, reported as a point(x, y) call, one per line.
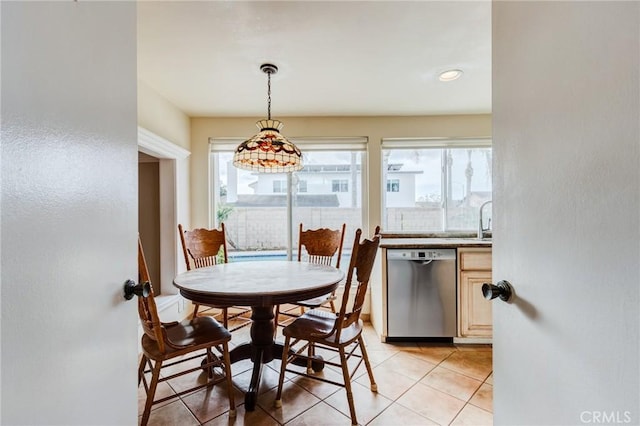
point(450, 75)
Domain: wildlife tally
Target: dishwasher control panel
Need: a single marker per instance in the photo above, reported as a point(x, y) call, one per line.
point(421, 254)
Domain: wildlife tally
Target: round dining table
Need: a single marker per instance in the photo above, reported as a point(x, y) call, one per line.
point(260, 285)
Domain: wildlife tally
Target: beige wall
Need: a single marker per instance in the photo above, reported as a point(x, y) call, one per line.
point(374, 128)
point(149, 215)
point(161, 117)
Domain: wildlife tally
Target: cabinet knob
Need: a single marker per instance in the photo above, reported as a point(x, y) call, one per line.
point(502, 290)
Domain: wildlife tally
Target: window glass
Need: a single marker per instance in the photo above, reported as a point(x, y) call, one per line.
point(468, 186)
point(326, 193)
point(280, 186)
point(333, 197)
point(339, 185)
point(438, 189)
point(393, 185)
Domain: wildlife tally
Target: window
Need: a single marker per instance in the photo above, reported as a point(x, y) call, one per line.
point(442, 186)
point(280, 186)
point(339, 185)
point(253, 206)
point(322, 207)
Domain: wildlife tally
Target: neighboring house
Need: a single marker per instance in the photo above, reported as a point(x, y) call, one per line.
point(316, 181)
point(400, 186)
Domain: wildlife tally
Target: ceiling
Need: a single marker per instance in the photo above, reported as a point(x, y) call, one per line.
point(343, 58)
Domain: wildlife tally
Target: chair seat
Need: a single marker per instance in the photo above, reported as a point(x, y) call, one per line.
point(316, 324)
point(316, 302)
point(191, 334)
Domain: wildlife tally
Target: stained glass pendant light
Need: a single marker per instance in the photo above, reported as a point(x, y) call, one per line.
point(268, 151)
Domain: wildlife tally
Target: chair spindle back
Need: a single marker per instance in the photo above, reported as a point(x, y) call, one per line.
point(321, 245)
point(201, 247)
point(147, 310)
point(363, 256)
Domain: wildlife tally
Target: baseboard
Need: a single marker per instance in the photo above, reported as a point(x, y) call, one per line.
point(473, 340)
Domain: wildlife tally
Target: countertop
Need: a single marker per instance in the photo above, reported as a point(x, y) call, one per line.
point(427, 242)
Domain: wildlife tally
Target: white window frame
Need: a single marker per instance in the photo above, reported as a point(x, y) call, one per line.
point(426, 143)
point(304, 144)
point(282, 186)
point(302, 186)
point(341, 184)
point(390, 186)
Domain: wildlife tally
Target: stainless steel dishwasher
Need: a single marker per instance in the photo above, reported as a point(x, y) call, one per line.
point(421, 293)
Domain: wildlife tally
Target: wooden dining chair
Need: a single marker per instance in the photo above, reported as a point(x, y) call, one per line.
point(341, 333)
point(207, 247)
point(319, 246)
point(177, 342)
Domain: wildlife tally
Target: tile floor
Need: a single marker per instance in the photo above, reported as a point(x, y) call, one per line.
point(418, 384)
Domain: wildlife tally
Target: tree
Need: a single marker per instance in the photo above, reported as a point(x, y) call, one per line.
point(223, 212)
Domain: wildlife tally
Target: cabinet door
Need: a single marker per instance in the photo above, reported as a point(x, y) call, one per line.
point(475, 310)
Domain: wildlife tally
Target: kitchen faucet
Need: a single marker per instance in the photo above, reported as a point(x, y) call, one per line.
point(481, 228)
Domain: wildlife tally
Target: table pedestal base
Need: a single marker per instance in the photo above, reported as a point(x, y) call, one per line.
point(261, 350)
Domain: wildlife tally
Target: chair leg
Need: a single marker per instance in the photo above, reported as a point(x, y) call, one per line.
point(195, 310)
point(227, 372)
point(285, 358)
point(143, 361)
point(333, 306)
point(365, 356)
point(155, 376)
point(311, 351)
point(210, 360)
point(225, 318)
point(275, 320)
point(347, 385)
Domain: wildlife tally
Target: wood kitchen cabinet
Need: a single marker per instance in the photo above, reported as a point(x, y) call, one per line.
point(474, 311)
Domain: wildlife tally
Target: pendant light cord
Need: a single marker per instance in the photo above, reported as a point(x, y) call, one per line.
point(269, 95)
